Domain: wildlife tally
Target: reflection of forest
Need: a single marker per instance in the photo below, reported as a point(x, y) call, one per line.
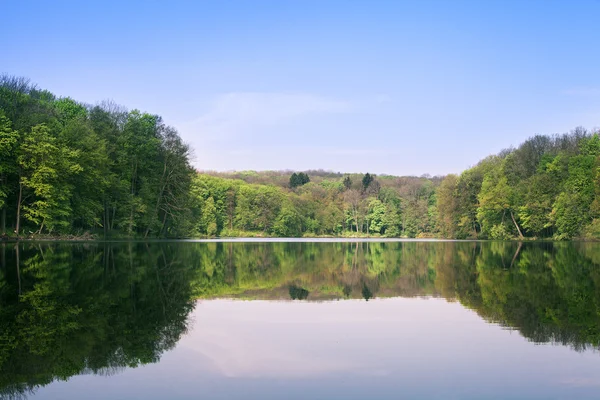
point(95, 308)
point(76, 309)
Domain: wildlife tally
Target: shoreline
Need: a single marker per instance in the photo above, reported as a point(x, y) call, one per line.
point(254, 239)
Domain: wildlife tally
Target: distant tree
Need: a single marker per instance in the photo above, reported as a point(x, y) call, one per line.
point(288, 222)
point(373, 188)
point(353, 200)
point(376, 216)
point(366, 181)
point(298, 179)
point(304, 179)
point(447, 206)
point(347, 182)
point(294, 182)
point(209, 217)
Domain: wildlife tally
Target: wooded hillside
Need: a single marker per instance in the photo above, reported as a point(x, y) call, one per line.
point(71, 168)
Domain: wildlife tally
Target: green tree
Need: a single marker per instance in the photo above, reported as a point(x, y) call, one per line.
point(447, 200)
point(288, 222)
point(572, 207)
point(376, 217)
point(44, 166)
point(209, 217)
point(298, 179)
point(347, 182)
point(366, 181)
point(9, 140)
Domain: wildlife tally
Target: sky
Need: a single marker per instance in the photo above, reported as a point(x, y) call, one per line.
point(408, 348)
point(398, 87)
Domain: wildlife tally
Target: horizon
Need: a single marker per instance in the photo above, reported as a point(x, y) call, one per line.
point(398, 88)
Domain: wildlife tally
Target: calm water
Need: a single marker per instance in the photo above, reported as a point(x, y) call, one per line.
point(300, 320)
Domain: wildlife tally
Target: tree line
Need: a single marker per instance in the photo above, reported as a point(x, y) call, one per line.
point(342, 205)
point(548, 187)
point(68, 167)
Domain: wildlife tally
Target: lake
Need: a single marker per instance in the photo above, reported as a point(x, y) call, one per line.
point(300, 320)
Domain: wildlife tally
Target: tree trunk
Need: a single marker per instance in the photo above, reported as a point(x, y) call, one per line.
point(105, 219)
point(159, 197)
point(164, 226)
point(112, 220)
point(3, 220)
point(133, 180)
point(516, 254)
point(18, 266)
point(18, 225)
point(516, 225)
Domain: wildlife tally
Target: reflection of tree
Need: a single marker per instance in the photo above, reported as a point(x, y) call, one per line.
point(347, 291)
point(88, 309)
point(547, 291)
point(298, 293)
point(366, 292)
point(99, 308)
point(326, 270)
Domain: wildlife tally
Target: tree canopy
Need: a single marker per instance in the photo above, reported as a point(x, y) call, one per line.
point(546, 188)
point(298, 179)
point(68, 167)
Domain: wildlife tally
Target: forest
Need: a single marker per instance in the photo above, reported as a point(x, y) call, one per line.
point(323, 204)
point(69, 169)
point(547, 188)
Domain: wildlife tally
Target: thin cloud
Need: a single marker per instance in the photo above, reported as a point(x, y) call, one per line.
point(358, 152)
point(235, 113)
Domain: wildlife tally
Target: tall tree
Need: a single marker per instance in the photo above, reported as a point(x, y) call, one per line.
point(9, 140)
point(366, 181)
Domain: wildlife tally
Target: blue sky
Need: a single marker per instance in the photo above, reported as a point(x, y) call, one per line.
point(401, 87)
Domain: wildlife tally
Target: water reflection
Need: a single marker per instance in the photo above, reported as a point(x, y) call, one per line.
point(68, 309)
point(77, 309)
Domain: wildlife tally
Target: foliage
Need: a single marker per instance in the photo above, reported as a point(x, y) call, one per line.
point(66, 167)
point(547, 187)
point(332, 206)
point(298, 179)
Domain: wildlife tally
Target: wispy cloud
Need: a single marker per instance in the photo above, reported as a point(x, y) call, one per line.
point(357, 152)
point(239, 112)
